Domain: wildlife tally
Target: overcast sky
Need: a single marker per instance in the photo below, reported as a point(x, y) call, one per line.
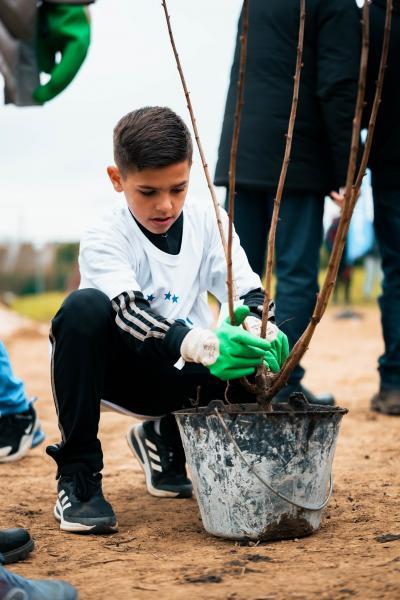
point(52, 175)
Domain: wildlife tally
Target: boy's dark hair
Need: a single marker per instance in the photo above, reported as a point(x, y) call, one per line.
point(151, 137)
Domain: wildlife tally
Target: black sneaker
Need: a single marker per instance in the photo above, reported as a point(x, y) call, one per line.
point(386, 402)
point(322, 399)
point(18, 433)
point(163, 464)
point(81, 506)
point(15, 544)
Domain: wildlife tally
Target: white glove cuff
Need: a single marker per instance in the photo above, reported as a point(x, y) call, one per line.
point(200, 346)
point(254, 327)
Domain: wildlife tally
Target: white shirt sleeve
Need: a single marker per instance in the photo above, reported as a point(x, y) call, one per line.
point(105, 264)
point(245, 279)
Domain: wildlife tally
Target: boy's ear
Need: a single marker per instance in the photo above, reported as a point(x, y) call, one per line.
point(115, 178)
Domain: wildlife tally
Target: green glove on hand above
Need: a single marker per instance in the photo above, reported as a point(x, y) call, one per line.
point(276, 337)
point(66, 29)
point(241, 352)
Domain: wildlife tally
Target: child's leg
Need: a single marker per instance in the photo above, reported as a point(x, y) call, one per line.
point(156, 444)
point(82, 343)
point(12, 392)
point(82, 349)
point(19, 426)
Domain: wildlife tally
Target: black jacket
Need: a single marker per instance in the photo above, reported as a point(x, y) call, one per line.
point(384, 159)
point(328, 89)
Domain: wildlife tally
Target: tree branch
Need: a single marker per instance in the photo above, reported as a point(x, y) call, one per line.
point(233, 155)
point(196, 132)
point(350, 196)
point(282, 177)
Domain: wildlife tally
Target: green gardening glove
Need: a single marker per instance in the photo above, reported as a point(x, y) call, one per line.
point(63, 29)
point(240, 352)
point(279, 345)
point(277, 339)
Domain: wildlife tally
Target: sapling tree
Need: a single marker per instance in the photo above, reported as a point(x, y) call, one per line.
point(233, 156)
point(350, 197)
point(268, 385)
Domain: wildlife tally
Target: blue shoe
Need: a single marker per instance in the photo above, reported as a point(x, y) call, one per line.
point(14, 587)
point(38, 437)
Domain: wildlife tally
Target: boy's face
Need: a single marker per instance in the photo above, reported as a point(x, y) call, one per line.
point(154, 196)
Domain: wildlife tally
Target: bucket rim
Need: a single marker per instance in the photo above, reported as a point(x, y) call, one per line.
point(241, 409)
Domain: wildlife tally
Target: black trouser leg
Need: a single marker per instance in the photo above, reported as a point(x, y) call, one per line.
point(252, 218)
point(298, 241)
point(82, 340)
point(387, 227)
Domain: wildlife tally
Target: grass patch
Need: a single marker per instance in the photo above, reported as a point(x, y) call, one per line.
point(39, 307)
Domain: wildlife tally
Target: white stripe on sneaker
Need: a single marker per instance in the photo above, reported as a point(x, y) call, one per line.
point(156, 467)
point(150, 445)
point(154, 456)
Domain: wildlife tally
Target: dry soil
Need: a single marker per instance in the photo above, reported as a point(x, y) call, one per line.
point(161, 550)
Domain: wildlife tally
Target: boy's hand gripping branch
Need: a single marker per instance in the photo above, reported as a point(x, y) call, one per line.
point(231, 352)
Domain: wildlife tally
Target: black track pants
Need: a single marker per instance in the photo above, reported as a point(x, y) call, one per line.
point(90, 362)
point(298, 242)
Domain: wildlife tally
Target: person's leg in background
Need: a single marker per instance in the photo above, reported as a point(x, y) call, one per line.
point(387, 228)
point(19, 426)
point(252, 219)
point(298, 242)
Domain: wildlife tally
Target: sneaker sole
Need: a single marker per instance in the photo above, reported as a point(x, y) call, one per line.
point(72, 527)
point(138, 453)
point(18, 554)
point(27, 442)
point(24, 447)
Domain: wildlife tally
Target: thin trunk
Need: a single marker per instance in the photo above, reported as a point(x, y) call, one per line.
point(282, 177)
point(196, 132)
point(350, 197)
point(233, 156)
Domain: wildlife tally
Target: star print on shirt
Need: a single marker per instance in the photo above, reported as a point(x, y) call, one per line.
point(150, 297)
point(167, 296)
point(175, 299)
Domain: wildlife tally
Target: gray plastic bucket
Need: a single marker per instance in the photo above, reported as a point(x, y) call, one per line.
point(260, 475)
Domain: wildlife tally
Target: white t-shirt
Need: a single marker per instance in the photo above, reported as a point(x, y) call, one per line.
point(115, 257)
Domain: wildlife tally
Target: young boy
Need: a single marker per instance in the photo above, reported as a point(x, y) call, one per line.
point(142, 308)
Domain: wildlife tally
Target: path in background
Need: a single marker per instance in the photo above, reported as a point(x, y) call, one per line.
point(162, 552)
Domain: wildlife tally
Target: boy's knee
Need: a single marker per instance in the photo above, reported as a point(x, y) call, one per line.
point(85, 310)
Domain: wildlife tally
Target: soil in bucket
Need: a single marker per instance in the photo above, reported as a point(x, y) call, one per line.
point(261, 475)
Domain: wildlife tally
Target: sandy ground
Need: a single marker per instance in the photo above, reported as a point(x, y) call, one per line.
point(162, 551)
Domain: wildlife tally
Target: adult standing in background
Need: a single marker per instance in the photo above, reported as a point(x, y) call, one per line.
point(384, 163)
point(320, 150)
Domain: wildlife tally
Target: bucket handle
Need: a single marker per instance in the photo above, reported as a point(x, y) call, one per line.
point(267, 485)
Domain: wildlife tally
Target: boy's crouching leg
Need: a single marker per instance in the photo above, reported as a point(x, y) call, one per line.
point(81, 339)
point(158, 448)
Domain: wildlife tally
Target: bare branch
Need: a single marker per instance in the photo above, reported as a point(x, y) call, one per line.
point(350, 197)
point(282, 177)
point(233, 156)
point(378, 94)
point(196, 133)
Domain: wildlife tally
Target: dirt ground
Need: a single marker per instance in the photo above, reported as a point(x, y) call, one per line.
point(161, 549)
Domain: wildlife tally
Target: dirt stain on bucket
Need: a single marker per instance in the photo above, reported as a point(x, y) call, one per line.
point(288, 527)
